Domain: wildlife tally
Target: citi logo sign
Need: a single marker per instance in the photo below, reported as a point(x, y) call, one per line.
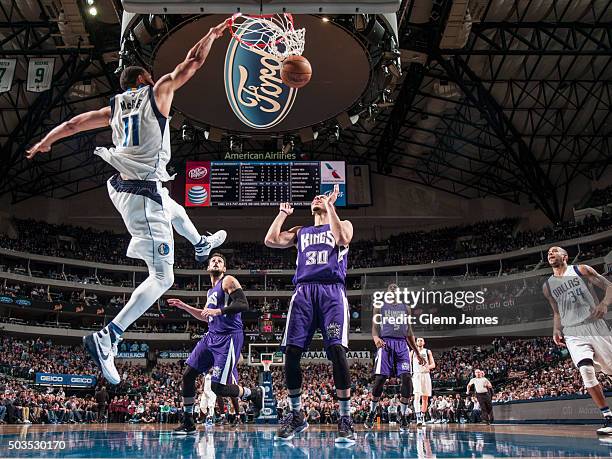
point(253, 84)
point(198, 173)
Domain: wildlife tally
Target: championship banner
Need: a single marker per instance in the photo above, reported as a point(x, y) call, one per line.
point(53, 379)
point(40, 74)
point(7, 72)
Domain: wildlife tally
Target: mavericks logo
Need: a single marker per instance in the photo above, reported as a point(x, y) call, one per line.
point(253, 84)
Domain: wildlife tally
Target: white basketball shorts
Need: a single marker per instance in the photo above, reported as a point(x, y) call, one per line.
point(421, 384)
point(592, 340)
point(146, 209)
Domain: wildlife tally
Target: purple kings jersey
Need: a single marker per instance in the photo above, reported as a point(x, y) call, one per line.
point(216, 299)
point(391, 314)
point(319, 259)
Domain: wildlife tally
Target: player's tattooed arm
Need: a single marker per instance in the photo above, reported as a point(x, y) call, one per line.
point(195, 312)
point(278, 239)
point(238, 299)
point(557, 328)
point(598, 280)
point(341, 229)
point(83, 122)
point(166, 85)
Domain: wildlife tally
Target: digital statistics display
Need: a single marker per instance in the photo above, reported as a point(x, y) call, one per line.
point(254, 183)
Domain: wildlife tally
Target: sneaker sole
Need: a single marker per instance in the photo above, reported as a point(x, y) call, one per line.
point(344, 440)
point(185, 433)
point(302, 429)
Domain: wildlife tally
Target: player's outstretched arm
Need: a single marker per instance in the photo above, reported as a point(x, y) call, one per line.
point(341, 229)
point(83, 122)
point(166, 85)
point(276, 238)
point(195, 312)
point(430, 360)
point(598, 280)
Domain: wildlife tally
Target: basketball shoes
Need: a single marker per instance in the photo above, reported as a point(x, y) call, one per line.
point(369, 422)
point(293, 423)
point(187, 427)
point(102, 347)
point(607, 427)
point(346, 431)
point(208, 243)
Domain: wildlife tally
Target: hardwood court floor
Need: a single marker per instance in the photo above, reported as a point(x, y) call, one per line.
point(257, 441)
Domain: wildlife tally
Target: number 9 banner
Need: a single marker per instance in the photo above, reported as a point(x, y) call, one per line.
point(40, 74)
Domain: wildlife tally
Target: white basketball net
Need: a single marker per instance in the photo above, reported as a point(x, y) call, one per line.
point(273, 34)
point(266, 364)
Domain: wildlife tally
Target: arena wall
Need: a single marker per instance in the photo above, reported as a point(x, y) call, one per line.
point(569, 410)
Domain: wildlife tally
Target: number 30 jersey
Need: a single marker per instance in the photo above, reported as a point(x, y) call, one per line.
point(572, 295)
point(141, 136)
point(319, 258)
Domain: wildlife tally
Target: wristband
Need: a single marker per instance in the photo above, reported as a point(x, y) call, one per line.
point(285, 212)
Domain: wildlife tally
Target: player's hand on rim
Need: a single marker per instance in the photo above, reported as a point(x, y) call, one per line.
point(217, 30)
point(40, 147)
point(286, 208)
point(558, 338)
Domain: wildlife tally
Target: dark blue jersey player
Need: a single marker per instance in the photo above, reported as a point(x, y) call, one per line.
point(219, 350)
point(319, 302)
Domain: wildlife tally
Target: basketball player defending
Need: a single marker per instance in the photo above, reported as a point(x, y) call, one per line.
point(219, 349)
point(421, 379)
point(579, 323)
point(393, 356)
point(319, 301)
point(138, 118)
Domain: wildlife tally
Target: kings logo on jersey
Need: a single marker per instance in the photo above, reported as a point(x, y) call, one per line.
point(253, 84)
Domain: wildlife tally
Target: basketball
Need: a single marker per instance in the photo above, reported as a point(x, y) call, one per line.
point(296, 71)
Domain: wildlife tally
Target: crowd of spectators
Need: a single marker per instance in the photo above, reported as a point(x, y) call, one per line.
point(414, 247)
point(152, 393)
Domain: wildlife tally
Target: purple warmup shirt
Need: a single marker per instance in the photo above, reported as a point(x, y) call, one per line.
point(395, 311)
point(216, 299)
point(319, 258)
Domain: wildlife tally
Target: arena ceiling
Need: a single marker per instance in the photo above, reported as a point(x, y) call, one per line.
point(504, 98)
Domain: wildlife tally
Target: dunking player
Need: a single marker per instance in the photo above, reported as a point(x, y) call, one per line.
point(579, 323)
point(220, 349)
point(319, 301)
point(421, 379)
point(138, 118)
point(392, 335)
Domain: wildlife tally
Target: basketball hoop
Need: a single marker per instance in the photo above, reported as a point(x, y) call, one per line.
point(266, 364)
point(272, 33)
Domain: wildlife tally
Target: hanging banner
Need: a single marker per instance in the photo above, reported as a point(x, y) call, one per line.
point(7, 71)
point(40, 74)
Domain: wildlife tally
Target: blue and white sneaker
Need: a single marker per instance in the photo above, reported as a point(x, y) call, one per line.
point(346, 431)
point(103, 353)
point(207, 244)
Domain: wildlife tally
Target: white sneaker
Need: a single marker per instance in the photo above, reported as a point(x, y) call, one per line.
point(103, 353)
point(607, 428)
point(207, 244)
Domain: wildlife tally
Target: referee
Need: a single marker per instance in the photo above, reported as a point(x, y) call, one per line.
point(484, 391)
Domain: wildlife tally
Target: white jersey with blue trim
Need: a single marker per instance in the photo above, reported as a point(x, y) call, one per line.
point(141, 135)
point(572, 295)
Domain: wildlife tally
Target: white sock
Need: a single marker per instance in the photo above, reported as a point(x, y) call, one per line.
point(183, 224)
point(373, 405)
point(403, 408)
point(160, 279)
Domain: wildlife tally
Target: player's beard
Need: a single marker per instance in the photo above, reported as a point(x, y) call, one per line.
point(215, 273)
point(318, 210)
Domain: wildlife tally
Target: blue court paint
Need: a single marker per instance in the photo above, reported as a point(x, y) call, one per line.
point(150, 442)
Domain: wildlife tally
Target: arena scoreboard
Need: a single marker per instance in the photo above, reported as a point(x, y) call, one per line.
point(255, 183)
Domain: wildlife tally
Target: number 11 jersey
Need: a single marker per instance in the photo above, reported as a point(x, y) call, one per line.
point(141, 136)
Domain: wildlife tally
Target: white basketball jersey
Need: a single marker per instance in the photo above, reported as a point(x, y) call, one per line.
point(141, 136)
point(572, 295)
point(416, 367)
